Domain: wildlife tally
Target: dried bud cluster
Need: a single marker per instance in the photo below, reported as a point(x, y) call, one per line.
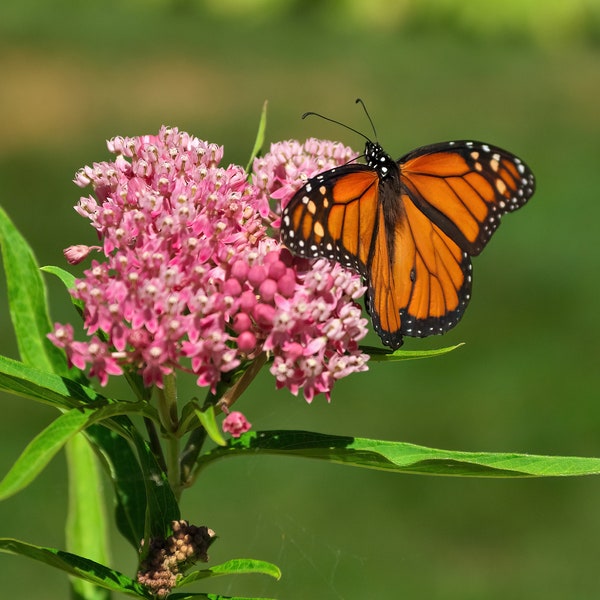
point(169, 557)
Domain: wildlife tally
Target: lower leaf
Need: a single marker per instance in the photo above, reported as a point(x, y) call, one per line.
point(402, 457)
point(237, 566)
point(77, 566)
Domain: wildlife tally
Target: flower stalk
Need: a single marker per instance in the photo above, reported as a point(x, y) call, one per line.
point(167, 409)
point(239, 387)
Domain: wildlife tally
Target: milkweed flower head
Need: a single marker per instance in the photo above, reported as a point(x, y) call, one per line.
point(193, 276)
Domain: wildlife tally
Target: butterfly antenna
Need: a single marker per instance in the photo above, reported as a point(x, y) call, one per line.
point(360, 101)
point(314, 114)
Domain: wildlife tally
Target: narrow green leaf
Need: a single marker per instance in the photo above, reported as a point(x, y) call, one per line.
point(382, 355)
point(146, 505)
point(161, 505)
point(208, 420)
point(86, 519)
point(236, 566)
point(133, 486)
point(23, 380)
point(239, 566)
point(77, 566)
point(402, 457)
point(41, 450)
point(45, 445)
point(127, 478)
point(260, 136)
point(146, 501)
point(67, 278)
point(27, 301)
point(162, 508)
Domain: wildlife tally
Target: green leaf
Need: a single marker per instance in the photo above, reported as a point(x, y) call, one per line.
point(260, 137)
point(86, 518)
point(27, 301)
point(146, 505)
point(22, 380)
point(128, 481)
point(237, 566)
point(77, 566)
point(68, 280)
point(41, 450)
point(133, 486)
point(209, 422)
point(382, 355)
point(147, 494)
point(161, 505)
point(45, 445)
point(402, 457)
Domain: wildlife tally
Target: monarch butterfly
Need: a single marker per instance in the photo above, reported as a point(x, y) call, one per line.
point(409, 227)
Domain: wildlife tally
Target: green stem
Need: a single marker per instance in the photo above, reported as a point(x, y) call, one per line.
point(167, 408)
point(167, 404)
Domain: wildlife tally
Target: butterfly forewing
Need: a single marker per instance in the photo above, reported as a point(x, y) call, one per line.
point(333, 216)
point(465, 187)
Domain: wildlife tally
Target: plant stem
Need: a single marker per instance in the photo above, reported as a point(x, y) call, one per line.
point(167, 404)
point(236, 390)
point(167, 408)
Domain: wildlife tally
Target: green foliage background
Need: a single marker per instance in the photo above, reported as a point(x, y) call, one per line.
point(523, 75)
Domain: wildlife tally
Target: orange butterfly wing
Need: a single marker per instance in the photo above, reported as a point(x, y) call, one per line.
point(335, 216)
point(422, 285)
point(409, 227)
point(465, 187)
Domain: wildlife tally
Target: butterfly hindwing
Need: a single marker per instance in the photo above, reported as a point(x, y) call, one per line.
point(419, 283)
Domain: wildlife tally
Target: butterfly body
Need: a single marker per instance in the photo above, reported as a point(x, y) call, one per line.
point(409, 227)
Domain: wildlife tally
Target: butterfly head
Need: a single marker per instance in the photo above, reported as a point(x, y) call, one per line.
point(377, 158)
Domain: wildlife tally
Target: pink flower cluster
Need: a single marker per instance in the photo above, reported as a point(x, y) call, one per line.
point(191, 279)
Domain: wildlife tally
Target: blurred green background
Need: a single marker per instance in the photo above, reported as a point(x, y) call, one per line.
point(523, 75)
